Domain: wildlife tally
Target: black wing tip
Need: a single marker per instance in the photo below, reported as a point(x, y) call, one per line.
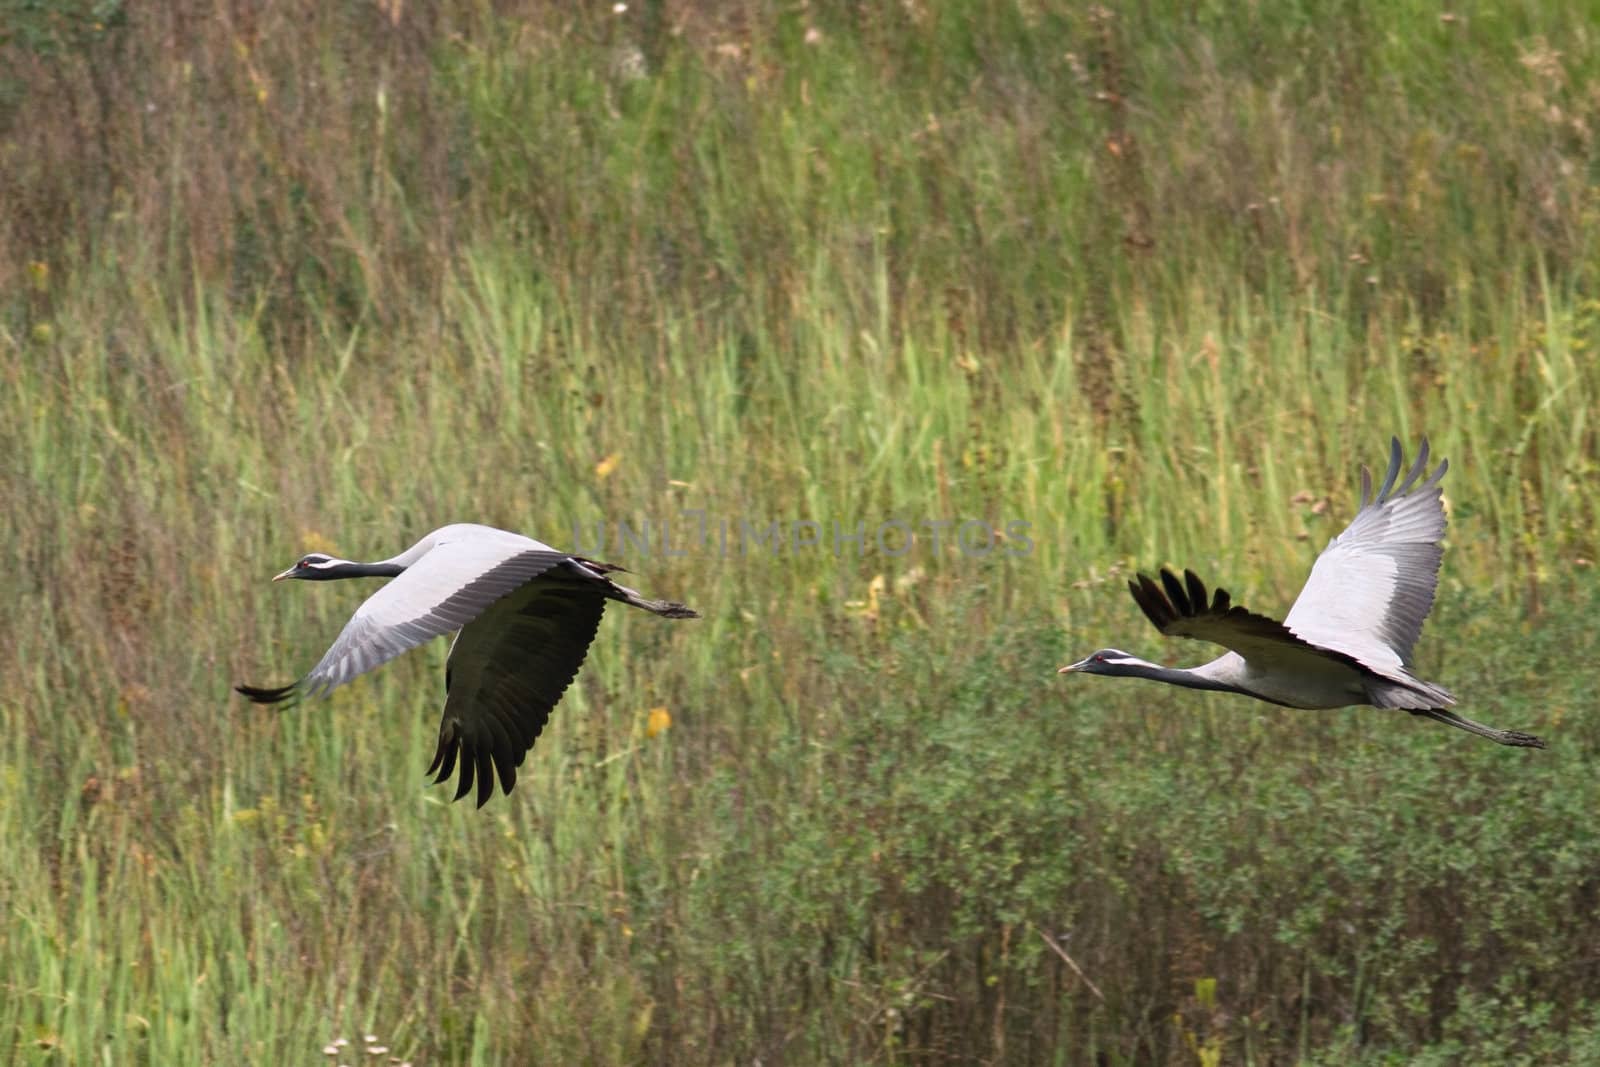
point(1396, 457)
point(268, 696)
point(1175, 591)
point(1153, 602)
point(1409, 484)
point(1190, 595)
point(1422, 449)
point(477, 765)
point(1171, 599)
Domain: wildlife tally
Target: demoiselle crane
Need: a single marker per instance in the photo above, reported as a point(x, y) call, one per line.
point(526, 614)
point(1347, 639)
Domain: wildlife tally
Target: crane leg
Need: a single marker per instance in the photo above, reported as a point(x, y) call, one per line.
point(1504, 737)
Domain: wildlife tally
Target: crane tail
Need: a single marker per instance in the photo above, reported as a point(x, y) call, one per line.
point(1515, 738)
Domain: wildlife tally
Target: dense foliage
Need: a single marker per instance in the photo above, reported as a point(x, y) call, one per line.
point(1056, 291)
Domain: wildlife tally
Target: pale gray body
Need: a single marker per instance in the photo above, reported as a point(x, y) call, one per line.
point(524, 614)
point(1295, 682)
point(1348, 637)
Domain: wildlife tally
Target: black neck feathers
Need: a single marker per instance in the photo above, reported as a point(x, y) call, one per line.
point(1187, 679)
point(353, 570)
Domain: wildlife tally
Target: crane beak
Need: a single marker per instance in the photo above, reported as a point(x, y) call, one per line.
point(1071, 667)
point(286, 574)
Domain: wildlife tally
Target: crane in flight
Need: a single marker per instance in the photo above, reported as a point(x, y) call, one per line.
point(1347, 639)
point(525, 615)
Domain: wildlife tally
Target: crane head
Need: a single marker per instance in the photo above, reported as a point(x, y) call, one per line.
point(1106, 661)
point(313, 565)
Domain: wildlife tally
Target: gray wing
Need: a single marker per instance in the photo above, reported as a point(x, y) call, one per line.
point(442, 592)
point(1373, 586)
point(508, 669)
point(1182, 609)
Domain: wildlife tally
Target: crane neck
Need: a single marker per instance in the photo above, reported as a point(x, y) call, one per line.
point(386, 569)
point(1189, 679)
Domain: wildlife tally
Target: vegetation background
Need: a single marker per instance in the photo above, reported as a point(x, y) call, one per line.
point(1152, 279)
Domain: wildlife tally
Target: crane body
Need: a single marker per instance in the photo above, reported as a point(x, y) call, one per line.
point(1348, 638)
point(524, 614)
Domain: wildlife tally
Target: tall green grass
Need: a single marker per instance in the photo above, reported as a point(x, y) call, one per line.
point(1135, 288)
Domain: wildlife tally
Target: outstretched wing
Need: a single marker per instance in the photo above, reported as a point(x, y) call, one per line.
point(1182, 609)
point(443, 591)
point(1373, 586)
point(507, 671)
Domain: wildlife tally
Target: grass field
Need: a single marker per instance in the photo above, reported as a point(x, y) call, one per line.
point(830, 293)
